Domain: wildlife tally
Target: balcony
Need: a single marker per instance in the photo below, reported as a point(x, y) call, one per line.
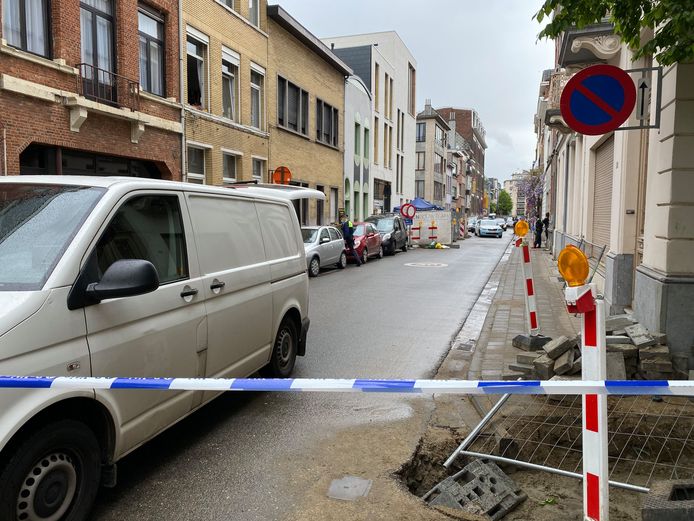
point(108, 87)
point(591, 44)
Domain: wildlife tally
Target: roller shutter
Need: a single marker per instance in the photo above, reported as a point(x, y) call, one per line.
point(602, 202)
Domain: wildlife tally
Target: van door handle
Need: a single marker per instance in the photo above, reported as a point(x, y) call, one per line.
point(217, 284)
point(189, 292)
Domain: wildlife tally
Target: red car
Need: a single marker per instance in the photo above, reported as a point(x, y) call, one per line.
point(367, 241)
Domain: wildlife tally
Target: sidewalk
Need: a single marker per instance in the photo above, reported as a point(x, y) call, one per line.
point(506, 317)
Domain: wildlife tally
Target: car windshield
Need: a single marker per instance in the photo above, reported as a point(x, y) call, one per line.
point(37, 223)
point(487, 223)
point(384, 225)
point(360, 229)
point(309, 235)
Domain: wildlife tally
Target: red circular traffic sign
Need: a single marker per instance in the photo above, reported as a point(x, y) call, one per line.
point(598, 99)
point(408, 211)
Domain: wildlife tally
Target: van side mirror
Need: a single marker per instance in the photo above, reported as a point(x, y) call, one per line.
point(124, 278)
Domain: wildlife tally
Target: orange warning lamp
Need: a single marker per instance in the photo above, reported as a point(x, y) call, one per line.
point(521, 228)
point(573, 266)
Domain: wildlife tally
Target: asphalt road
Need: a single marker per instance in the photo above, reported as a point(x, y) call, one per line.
point(382, 320)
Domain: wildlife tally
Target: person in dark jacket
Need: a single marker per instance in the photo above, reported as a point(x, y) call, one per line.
point(348, 234)
point(538, 233)
point(545, 224)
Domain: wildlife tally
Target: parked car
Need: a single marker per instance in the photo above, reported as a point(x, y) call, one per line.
point(472, 224)
point(489, 228)
point(393, 232)
point(324, 246)
point(501, 222)
point(367, 241)
point(125, 277)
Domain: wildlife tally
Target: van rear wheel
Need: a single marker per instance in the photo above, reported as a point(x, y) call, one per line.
point(284, 351)
point(53, 475)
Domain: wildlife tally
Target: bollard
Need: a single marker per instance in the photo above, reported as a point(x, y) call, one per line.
point(432, 231)
point(521, 229)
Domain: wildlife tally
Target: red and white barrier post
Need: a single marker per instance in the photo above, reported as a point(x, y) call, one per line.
point(433, 234)
point(521, 229)
point(581, 299)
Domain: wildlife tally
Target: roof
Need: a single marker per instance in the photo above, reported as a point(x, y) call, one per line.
point(291, 25)
point(430, 113)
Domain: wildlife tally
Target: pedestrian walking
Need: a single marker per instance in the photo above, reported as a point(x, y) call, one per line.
point(545, 224)
point(538, 233)
point(348, 234)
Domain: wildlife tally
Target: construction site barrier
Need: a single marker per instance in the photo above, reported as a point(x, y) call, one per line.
point(473, 387)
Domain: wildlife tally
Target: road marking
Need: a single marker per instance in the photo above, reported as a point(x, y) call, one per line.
point(426, 265)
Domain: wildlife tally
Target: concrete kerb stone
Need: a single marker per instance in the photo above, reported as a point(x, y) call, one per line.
point(564, 363)
point(639, 335)
point(656, 352)
point(530, 343)
point(544, 367)
point(618, 322)
point(559, 346)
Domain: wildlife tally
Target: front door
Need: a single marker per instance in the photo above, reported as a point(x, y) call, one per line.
point(159, 334)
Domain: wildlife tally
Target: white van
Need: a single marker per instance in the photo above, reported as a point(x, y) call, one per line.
point(131, 277)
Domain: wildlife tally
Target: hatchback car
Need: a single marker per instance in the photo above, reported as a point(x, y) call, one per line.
point(472, 225)
point(367, 241)
point(488, 228)
point(324, 246)
point(393, 232)
point(501, 222)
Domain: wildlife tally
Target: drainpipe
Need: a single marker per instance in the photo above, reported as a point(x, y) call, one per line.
point(4, 150)
point(184, 174)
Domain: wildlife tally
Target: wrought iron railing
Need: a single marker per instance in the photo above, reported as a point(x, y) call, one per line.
point(108, 87)
point(594, 252)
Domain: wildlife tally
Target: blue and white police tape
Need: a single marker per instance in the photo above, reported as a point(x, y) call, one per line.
point(572, 387)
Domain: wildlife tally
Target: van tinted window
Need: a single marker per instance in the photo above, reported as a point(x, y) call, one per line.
point(279, 230)
point(227, 232)
point(37, 223)
point(147, 227)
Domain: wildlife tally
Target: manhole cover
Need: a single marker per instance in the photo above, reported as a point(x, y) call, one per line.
point(426, 264)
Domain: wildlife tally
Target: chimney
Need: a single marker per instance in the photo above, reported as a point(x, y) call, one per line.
point(332, 46)
point(427, 105)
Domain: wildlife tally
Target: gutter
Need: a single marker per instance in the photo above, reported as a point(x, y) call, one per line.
point(184, 174)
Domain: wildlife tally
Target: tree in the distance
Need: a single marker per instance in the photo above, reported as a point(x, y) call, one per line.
point(671, 20)
point(505, 204)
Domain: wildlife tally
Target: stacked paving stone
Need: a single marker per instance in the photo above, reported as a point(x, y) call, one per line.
point(633, 353)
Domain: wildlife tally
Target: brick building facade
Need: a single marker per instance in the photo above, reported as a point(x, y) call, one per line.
point(306, 86)
point(226, 128)
point(71, 98)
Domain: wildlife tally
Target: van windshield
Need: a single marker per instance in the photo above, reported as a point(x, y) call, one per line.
point(37, 223)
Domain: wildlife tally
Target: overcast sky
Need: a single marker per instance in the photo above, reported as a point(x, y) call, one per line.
point(470, 54)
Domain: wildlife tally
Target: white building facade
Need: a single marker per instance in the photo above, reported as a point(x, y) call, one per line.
point(387, 67)
point(358, 182)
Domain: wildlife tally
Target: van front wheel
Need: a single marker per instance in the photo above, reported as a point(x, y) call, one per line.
point(53, 474)
point(283, 351)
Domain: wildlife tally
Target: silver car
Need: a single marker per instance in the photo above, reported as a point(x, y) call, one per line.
point(488, 228)
point(324, 246)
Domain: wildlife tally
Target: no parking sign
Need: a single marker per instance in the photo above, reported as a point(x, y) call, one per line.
point(598, 99)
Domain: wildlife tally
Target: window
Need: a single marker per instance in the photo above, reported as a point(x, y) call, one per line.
point(230, 74)
point(421, 157)
point(258, 168)
point(377, 84)
point(390, 147)
point(439, 136)
point(196, 165)
point(151, 52)
point(439, 168)
point(402, 131)
point(390, 99)
point(229, 165)
point(25, 25)
point(257, 95)
point(421, 132)
point(292, 106)
point(96, 26)
point(333, 204)
point(195, 70)
point(386, 100)
point(326, 124)
point(229, 3)
point(398, 188)
point(376, 140)
point(357, 139)
point(148, 227)
point(411, 84)
point(367, 145)
point(320, 207)
point(438, 191)
point(397, 135)
point(419, 188)
point(254, 12)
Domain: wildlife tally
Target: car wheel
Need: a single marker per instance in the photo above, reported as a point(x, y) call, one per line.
point(283, 351)
point(53, 474)
point(404, 247)
point(342, 263)
point(314, 267)
point(380, 252)
point(364, 255)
